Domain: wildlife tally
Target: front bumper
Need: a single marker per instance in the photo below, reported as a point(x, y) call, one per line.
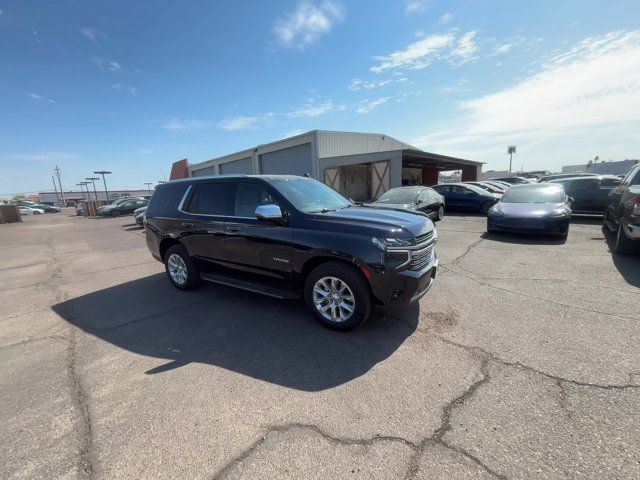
point(543, 225)
point(400, 289)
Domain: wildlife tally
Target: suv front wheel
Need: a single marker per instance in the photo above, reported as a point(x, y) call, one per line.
point(338, 296)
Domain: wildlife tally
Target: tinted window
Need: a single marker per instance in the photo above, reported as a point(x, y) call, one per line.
point(166, 198)
point(608, 183)
point(249, 196)
point(534, 194)
point(634, 177)
point(211, 198)
point(399, 195)
point(442, 188)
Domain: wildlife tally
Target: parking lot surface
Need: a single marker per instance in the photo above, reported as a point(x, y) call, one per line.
point(522, 362)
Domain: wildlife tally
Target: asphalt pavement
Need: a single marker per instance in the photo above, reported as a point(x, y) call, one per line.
point(522, 362)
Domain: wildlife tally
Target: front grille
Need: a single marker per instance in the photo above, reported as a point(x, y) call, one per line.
point(420, 239)
point(420, 258)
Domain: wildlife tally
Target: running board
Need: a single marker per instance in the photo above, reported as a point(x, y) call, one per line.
point(249, 286)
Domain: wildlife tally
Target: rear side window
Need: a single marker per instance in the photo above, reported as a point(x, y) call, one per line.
point(166, 198)
point(211, 199)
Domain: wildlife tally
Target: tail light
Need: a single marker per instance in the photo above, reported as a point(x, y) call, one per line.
point(636, 208)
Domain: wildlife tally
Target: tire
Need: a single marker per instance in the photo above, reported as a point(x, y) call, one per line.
point(485, 207)
point(357, 288)
point(623, 245)
point(489, 229)
point(439, 213)
point(173, 267)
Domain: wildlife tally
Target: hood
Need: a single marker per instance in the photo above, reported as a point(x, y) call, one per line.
point(401, 206)
point(382, 221)
point(531, 210)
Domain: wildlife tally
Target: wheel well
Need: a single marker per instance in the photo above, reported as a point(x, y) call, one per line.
point(317, 261)
point(165, 244)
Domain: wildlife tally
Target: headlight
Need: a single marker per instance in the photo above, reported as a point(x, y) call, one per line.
point(561, 212)
point(496, 210)
point(384, 243)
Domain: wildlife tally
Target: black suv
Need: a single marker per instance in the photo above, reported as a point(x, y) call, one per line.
point(289, 236)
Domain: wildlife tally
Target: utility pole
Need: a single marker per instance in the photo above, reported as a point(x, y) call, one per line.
point(103, 173)
point(93, 181)
point(80, 185)
point(86, 185)
point(148, 184)
point(64, 200)
point(55, 188)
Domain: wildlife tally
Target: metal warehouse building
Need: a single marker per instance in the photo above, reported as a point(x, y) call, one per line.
point(360, 165)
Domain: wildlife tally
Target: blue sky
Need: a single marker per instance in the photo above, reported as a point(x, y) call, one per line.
point(133, 86)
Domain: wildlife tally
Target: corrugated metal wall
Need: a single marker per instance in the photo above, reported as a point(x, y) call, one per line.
point(335, 144)
point(203, 172)
point(244, 165)
point(289, 161)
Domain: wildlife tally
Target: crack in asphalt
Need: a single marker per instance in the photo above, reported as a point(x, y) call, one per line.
point(479, 280)
point(436, 438)
point(469, 249)
point(78, 398)
point(485, 354)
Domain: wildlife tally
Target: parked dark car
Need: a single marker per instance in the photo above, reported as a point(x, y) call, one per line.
point(513, 180)
point(558, 176)
point(589, 194)
point(491, 188)
point(290, 237)
point(46, 208)
point(418, 199)
point(533, 208)
point(138, 214)
point(504, 186)
point(122, 207)
point(622, 212)
point(461, 196)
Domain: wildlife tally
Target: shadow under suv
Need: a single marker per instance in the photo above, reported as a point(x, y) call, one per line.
point(291, 237)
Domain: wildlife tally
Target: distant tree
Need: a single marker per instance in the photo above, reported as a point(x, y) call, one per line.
point(18, 196)
point(511, 149)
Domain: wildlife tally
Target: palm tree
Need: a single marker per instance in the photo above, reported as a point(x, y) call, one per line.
point(511, 149)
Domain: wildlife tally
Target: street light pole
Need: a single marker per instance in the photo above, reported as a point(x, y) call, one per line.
point(148, 184)
point(64, 201)
point(103, 173)
point(86, 185)
point(93, 181)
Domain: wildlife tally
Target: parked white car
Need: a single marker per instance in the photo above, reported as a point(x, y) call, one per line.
point(30, 211)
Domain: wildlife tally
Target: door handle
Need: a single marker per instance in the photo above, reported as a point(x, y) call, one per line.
point(233, 228)
point(187, 225)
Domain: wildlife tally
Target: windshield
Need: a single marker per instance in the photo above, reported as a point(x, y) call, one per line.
point(399, 195)
point(310, 196)
point(534, 194)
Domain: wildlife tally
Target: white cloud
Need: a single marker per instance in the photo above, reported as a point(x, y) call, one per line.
point(465, 49)
point(415, 6)
point(417, 55)
point(293, 133)
point(312, 109)
point(179, 126)
point(238, 123)
point(92, 33)
point(446, 18)
point(107, 65)
point(506, 47)
point(366, 107)
point(41, 98)
point(588, 95)
point(307, 23)
point(357, 84)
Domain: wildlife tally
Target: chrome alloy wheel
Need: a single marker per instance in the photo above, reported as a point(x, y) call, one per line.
point(440, 212)
point(333, 299)
point(177, 269)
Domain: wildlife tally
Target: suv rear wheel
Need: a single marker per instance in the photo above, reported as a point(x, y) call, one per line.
point(338, 296)
point(180, 269)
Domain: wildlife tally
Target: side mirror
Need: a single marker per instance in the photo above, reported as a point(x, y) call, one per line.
point(269, 212)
